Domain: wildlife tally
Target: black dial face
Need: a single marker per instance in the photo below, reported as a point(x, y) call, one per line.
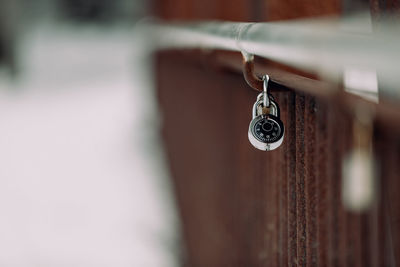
point(267, 130)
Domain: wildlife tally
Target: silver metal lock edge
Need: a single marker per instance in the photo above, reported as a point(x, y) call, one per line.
point(274, 115)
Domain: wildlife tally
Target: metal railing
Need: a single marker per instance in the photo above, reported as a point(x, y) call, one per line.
point(326, 46)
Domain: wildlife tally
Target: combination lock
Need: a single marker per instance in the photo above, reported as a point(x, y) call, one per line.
point(266, 130)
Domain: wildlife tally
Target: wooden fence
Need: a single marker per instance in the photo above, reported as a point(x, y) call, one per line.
point(243, 207)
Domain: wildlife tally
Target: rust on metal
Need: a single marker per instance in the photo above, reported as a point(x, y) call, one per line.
point(250, 77)
point(385, 112)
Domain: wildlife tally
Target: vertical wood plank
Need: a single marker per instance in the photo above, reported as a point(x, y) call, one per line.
point(323, 186)
point(283, 188)
point(333, 196)
point(300, 183)
point(291, 174)
point(310, 156)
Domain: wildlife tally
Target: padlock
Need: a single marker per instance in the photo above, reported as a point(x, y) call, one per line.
point(266, 130)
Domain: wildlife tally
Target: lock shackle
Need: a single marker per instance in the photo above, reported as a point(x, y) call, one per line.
point(265, 92)
point(274, 109)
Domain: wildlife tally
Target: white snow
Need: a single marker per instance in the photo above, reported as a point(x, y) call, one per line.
point(82, 176)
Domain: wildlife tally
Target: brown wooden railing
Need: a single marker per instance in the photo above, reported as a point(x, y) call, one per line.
point(244, 207)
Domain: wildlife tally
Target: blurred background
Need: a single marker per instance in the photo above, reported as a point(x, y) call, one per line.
point(82, 179)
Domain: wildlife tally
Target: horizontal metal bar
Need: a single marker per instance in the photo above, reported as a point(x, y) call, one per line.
point(386, 113)
point(324, 46)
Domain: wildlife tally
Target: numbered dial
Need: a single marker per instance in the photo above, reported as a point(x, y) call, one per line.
point(267, 129)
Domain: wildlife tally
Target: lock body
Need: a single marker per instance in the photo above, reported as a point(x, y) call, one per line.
point(266, 130)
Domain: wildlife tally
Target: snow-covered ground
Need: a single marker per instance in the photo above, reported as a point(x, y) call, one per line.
point(82, 176)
